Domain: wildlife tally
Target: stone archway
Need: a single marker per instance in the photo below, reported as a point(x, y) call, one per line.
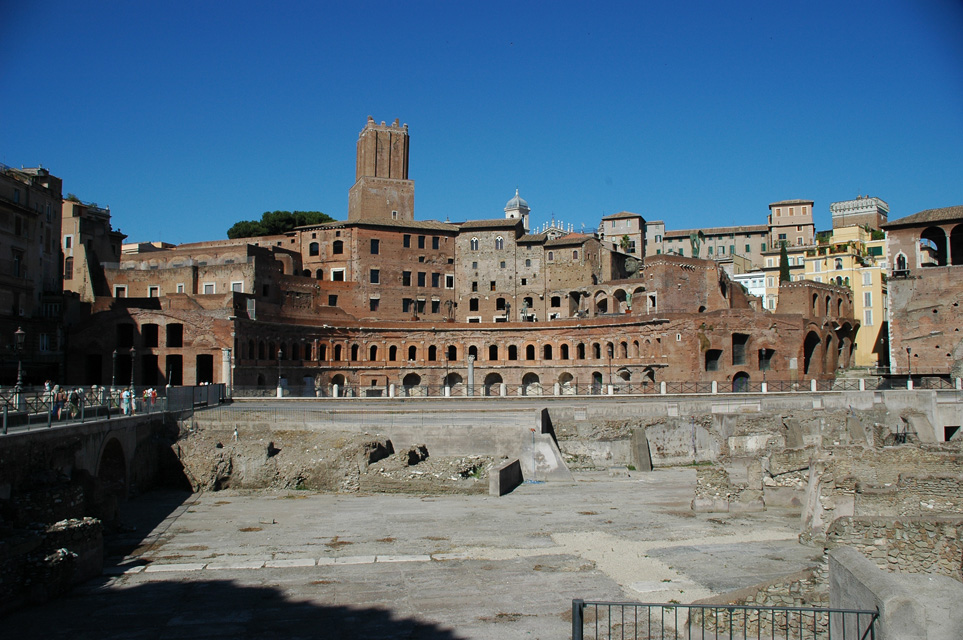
point(493, 382)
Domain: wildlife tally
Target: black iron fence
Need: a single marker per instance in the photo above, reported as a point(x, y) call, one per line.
point(650, 621)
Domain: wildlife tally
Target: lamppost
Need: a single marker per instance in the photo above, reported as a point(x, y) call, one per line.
point(133, 357)
point(113, 370)
point(279, 394)
point(909, 363)
point(19, 335)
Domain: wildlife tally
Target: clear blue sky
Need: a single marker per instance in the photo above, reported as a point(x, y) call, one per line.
point(185, 117)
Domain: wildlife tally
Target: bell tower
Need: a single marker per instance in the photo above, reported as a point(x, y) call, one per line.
point(382, 190)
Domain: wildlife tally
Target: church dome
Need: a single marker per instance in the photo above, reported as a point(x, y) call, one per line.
point(517, 203)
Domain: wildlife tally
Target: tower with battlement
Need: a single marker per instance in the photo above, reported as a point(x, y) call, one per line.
point(382, 190)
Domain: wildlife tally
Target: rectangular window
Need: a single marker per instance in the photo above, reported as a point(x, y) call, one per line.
point(748, 249)
point(473, 304)
point(406, 305)
point(436, 280)
point(237, 286)
point(421, 278)
point(434, 242)
point(868, 318)
point(406, 278)
point(68, 242)
point(375, 246)
point(867, 278)
point(763, 247)
point(474, 286)
point(374, 276)
point(373, 304)
point(491, 286)
point(421, 242)
point(449, 282)
point(710, 251)
point(435, 306)
point(153, 292)
point(768, 262)
point(524, 282)
point(770, 282)
point(817, 266)
point(332, 300)
point(501, 265)
point(208, 288)
point(406, 241)
point(474, 265)
point(120, 291)
point(180, 287)
point(867, 298)
point(337, 275)
point(782, 236)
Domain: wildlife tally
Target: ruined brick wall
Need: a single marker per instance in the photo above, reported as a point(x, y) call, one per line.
point(921, 545)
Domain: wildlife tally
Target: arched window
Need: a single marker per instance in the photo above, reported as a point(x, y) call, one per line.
point(530, 352)
point(580, 351)
point(512, 352)
point(547, 352)
point(295, 352)
point(250, 349)
point(432, 353)
point(354, 353)
point(551, 255)
point(337, 353)
point(314, 249)
point(260, 350)
point(493, 352)
point(319, 274)
point(452, 352)
point(69, 269)
point(575, 255)
point(412, 352)
point(473, 352)
point(392, 353)
point(337, 247)
point(597, 351)
point(499, 243)
point(307, 352)
point(322, 352)
point(563, 352)
point(474, 244)
point(373, 352)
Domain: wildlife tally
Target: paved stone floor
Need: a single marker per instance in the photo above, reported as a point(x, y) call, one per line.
point(308, 565)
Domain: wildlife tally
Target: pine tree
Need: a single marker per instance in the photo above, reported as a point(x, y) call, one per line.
point(784, 265)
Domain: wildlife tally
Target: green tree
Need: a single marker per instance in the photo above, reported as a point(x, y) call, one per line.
point(784, 264)
point(276, 222)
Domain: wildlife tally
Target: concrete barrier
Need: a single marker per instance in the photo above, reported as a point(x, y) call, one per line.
point(911, 606)
point(504, 478)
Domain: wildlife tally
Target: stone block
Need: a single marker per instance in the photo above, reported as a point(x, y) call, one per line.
point(504, 478)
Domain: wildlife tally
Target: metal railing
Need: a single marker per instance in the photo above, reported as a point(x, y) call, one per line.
point(619, 388)
point(650, 621)
point(35, 407)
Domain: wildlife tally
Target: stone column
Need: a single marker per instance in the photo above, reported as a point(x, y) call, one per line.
point(471, 375)
point(227, 372)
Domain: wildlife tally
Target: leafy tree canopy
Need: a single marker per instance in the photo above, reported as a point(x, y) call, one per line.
point(276, 222)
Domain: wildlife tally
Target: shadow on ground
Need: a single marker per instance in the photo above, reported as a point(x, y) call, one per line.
point(206, 609)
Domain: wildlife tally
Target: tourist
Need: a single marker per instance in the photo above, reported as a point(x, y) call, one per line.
point(125, 399)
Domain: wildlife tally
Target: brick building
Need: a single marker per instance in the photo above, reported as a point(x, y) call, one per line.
point(382, 299)
point(925, 251)
point(31, 277)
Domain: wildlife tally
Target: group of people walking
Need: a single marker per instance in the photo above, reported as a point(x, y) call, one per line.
point(66, 403)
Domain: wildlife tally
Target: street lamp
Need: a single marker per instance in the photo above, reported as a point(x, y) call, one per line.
point(113, 371)
point(19, 336)
point(133, 355)
point(909, 363)
point(279, 371)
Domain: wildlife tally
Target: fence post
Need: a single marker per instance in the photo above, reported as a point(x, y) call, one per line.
point(6, 410)
point(577, 607)
point(812, 385)
point(49, 417)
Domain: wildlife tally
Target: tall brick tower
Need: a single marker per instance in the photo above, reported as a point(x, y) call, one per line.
point(382, 190)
